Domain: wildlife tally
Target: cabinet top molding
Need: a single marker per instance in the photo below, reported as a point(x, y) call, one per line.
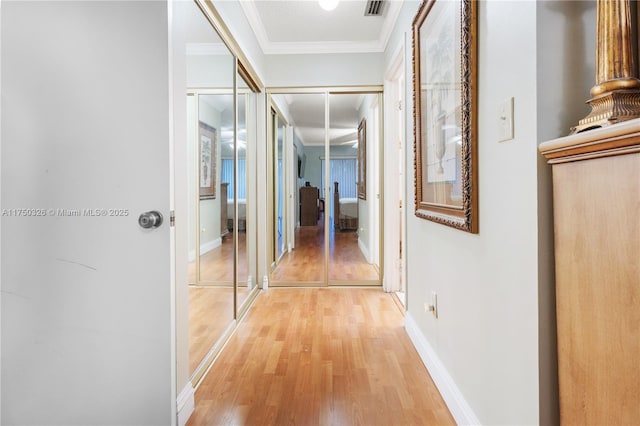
point(621, 138)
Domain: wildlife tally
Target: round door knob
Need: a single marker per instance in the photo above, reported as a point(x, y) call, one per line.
point(152, 219)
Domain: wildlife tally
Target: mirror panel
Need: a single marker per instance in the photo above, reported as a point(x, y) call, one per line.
point(353, 233)
point(210, 69)
point(280, 189)
point(216, 127)
point(299, 241)
point(246, 176)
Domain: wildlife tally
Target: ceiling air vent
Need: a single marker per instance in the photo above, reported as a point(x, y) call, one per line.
point(373, 8)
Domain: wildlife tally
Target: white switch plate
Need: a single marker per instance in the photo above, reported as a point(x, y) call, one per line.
point(434, 303)
point(505, 120)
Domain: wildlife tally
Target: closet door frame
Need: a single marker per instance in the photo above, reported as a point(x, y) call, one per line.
point(327, 92)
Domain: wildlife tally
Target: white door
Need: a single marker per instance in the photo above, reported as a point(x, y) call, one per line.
point(394, 184)
point(86, 292)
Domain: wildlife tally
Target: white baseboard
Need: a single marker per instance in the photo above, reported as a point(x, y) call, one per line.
point(265, 282)
point(207, 247)
point(458, 406)
point(204, 248)
point(365, 250)
point(186, 404)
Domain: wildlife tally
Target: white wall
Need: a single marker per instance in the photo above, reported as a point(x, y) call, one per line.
point(213, 71)
point(366, 208)
point(210, 209)
point(324, 69)
point(487, 330)
point(235, 19)
point(495, 331)
point(403, 26)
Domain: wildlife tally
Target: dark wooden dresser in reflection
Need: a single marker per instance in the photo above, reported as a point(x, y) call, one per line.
point(224, 227)
point(309, 206)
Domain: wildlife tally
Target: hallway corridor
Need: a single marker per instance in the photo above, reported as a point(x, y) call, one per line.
point(320, 357)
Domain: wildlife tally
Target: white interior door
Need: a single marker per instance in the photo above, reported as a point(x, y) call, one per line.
point(86, 292)
point(394, 183)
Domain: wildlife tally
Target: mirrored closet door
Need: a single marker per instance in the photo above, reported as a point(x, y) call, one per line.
point(210, 71)
point(298, 256)
point(221, 141)
point(328, 169)
point(353, 171)
point(243, 194)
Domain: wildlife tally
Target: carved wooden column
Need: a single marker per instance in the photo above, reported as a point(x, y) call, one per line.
point(616, 95)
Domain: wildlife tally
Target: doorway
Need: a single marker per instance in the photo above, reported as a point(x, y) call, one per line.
point(331, 204)
point(395, 186)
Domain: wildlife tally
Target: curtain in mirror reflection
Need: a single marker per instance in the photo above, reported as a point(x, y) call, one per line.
point(227, 176)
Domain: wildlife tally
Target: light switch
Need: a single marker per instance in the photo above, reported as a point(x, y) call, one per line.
point(505, 120)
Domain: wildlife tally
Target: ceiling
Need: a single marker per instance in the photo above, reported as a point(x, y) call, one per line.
point(302, 26)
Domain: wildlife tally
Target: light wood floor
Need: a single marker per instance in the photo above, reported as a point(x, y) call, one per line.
point(217, 265)
point(306, 261)
point(210, 313)
point(320, 356)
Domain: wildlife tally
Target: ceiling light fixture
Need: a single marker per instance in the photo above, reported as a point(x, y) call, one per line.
point(328, 5)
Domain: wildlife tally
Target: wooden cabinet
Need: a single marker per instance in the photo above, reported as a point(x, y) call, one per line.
point(596, 190)
point(224, 227)
point(309, 208)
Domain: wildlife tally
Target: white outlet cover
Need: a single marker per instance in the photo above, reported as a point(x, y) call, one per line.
point(505, 120)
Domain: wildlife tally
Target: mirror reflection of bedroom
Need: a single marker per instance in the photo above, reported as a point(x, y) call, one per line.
point(332, 208)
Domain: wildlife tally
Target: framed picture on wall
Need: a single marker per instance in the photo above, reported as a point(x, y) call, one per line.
point(362, 160)
point(444, 65)
point(208, 160)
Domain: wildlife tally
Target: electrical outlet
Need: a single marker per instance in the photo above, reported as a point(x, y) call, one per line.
point(433, 305)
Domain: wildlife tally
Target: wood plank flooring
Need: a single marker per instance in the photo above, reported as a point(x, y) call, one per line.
point(306, 261)
point(346, 261)
point(210, 312)
point(320, 356)
point(217, 265)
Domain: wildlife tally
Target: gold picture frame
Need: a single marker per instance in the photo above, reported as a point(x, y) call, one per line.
point(208, 150)
point(362, 160)
point(444, 95)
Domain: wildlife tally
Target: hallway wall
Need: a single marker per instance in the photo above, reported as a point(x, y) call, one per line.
point(495, 334)
point(340, 69)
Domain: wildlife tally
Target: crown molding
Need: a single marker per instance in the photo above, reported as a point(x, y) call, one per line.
point(323, 47)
